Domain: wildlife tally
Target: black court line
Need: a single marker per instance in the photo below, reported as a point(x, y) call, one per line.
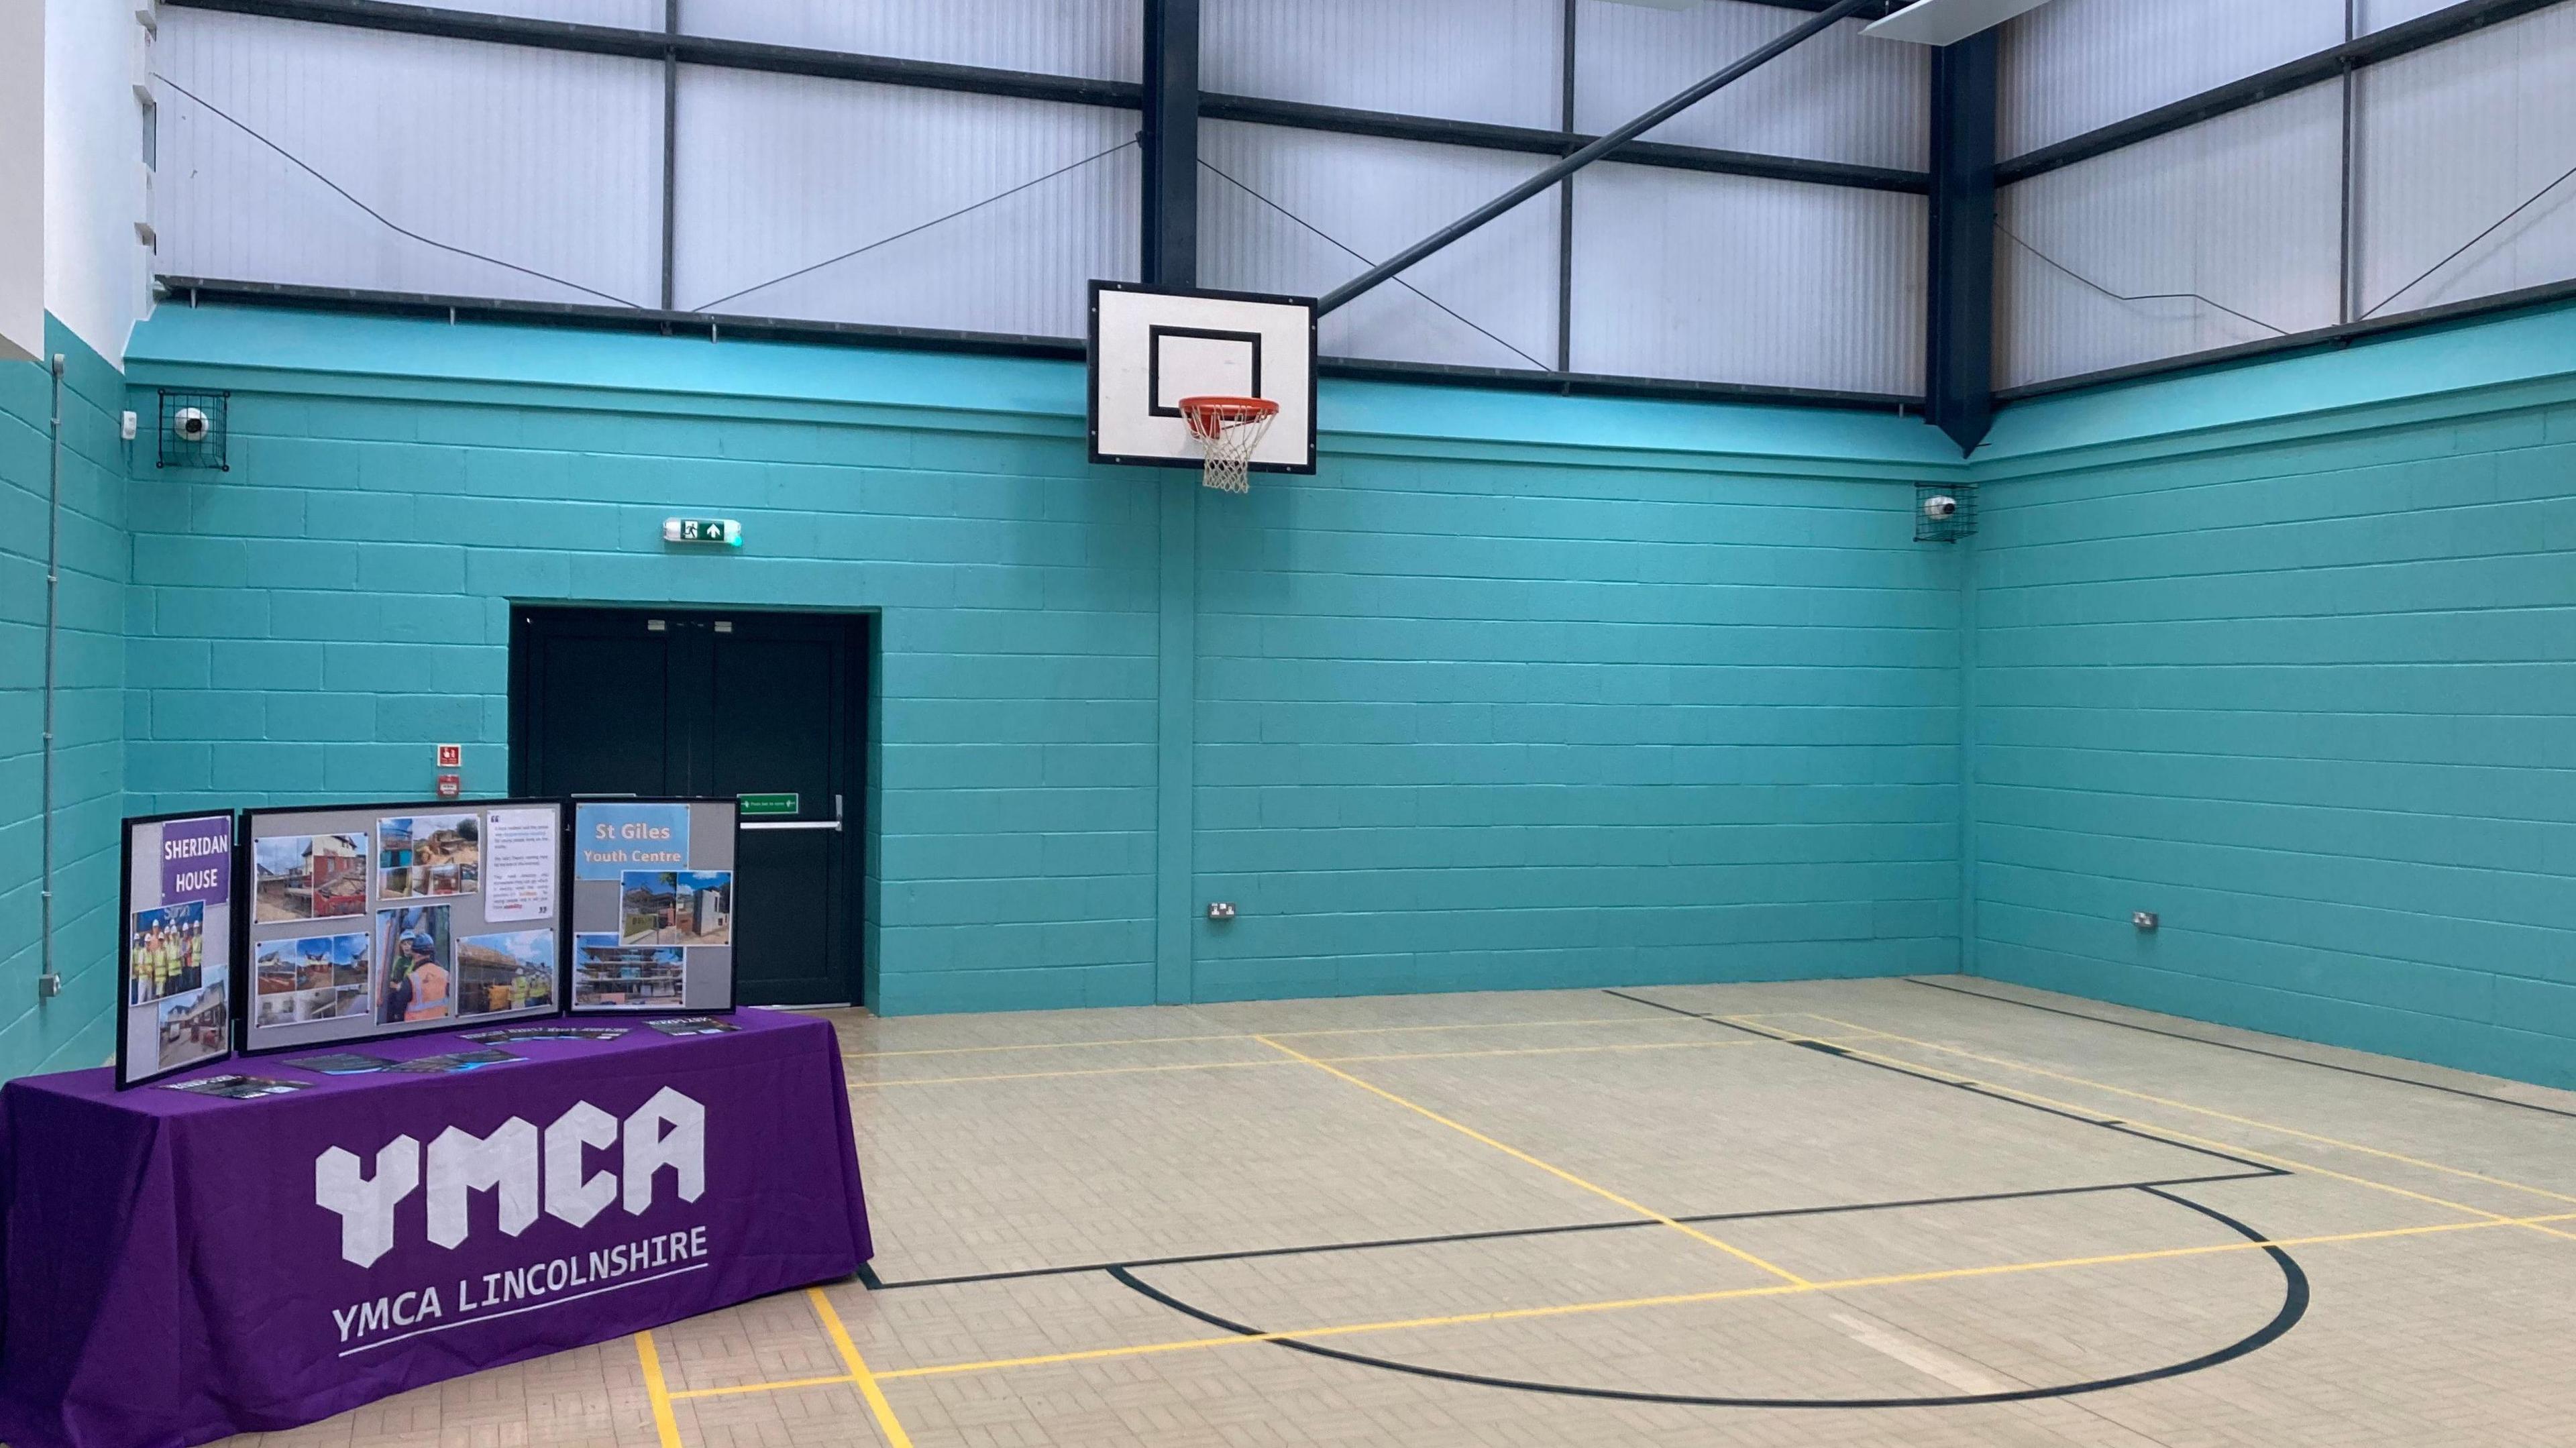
point(874, 1284)
point(2294, 1305)
point(2252, 1050)
point(1972, 1088)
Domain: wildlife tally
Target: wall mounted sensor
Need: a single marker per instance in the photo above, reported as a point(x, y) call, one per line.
point(191, 424)
point(1940, 507)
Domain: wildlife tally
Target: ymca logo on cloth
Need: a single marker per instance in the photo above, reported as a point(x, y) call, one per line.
point(527, 1171)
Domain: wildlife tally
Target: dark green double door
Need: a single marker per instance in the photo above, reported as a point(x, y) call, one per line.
point(607, 702)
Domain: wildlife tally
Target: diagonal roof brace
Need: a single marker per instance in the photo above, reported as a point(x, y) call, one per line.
point(1608, 143)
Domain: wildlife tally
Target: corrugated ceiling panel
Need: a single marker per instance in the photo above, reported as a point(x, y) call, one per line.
point(623, 14)
point(2451, 140)
point(1376, 197)
point(2370, 15)
point(1098, 38)
point(2245, 210)
point(544, 160)
point(782, 173)
point(1474, 60)
point(2074, 65)
point(1840, 97)
point(1735, 279)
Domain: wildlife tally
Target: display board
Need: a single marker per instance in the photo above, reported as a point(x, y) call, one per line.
point(376, 920)
point(174, 946)
point(653, 905)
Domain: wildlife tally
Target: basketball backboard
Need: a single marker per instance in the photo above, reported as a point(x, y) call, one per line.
point(1153, 346)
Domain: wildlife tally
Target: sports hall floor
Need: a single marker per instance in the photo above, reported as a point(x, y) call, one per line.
point(1895, 1212)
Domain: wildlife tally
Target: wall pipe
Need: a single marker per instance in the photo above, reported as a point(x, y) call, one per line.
point(50, 983)
point(1549, 176)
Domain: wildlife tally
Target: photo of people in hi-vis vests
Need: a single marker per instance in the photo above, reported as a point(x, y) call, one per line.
point(419, 982)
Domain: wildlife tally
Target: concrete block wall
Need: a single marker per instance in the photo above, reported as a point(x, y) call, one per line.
point(2303, 681)
point(1547, 709)
point(1503, 697)
point(1475, 718)
point(71, 1029)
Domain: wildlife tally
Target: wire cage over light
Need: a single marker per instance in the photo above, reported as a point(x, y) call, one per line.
point(1944, 512)
point(193, 429)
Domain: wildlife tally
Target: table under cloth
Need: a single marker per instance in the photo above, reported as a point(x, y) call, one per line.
point(178, 1268)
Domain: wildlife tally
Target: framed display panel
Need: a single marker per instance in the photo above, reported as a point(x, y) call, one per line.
point(652, 905)
point(371, 920)
point(174, 950)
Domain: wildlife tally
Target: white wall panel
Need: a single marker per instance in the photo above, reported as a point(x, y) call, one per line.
point(622, 14)
point(777, 173)
point(1098, 38)
point(546, 160)
point(1378, 197)
point(2245, 210)
point(1840, 97)
point(1473, 60)
point(2074, 65)
point(2451, 139)
point(1738, 279)
point(2370, 15)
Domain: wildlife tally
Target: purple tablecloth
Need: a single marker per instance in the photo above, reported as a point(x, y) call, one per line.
point(179, 1267)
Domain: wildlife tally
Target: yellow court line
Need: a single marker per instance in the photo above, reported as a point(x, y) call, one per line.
point(1249, 1035)
point(1276, 1064)
point(836, 1380)
point(1061, 1075)
point(2353, 1146)
point(2176, 1134)
point(657, 1389)
point(1539, 1051)
point(1681, 1299)
point(1783, 1273)
point(886, 1420)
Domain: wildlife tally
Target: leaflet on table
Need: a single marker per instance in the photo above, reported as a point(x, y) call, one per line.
point(237, 1088)
point(507, 1035)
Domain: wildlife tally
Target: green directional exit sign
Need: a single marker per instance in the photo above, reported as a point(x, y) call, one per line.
point(716, 532)
point(767, 804)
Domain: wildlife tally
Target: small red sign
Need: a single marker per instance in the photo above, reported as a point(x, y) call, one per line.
point(450, 755)
point(450, 786)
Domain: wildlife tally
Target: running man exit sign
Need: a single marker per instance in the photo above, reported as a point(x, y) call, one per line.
point(716, 532)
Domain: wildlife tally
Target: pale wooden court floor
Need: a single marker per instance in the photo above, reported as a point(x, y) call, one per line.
point(1936, 1212)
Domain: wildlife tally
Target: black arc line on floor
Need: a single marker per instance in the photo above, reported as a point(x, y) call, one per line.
point(2294, 1306)
point(1503, 1234)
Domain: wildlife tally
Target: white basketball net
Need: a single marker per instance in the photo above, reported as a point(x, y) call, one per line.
point(1229, 432)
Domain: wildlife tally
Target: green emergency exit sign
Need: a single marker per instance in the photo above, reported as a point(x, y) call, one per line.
point(720, 532)
point(767, 804)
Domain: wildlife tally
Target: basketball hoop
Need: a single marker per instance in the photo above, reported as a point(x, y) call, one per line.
point(1229, 428)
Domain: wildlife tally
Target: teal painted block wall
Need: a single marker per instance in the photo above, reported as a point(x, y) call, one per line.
point(1504, 696)
point(2302, 682)
point(1471, 718)
point(1551, 708)
point(71, 1029)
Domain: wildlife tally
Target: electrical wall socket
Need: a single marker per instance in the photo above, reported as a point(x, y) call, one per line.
point(2143, 919)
